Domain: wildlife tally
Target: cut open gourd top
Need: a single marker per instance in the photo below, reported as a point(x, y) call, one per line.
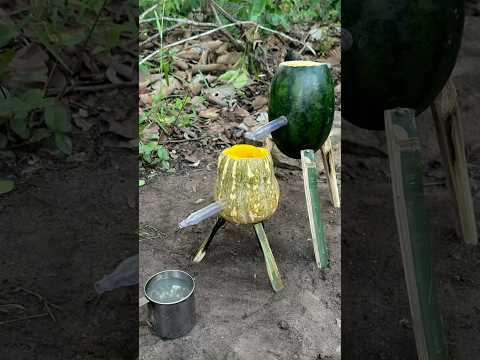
point(246, 185)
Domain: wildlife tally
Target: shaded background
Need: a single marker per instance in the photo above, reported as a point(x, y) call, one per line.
point(375, 310)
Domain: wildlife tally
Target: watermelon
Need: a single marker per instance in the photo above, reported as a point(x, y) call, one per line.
point(303, 92)
point(401, 54)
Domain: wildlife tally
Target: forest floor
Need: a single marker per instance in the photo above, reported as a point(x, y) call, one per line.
point(238, 314)
point(381, 296)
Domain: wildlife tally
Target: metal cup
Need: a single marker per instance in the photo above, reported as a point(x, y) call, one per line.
point(170, 320)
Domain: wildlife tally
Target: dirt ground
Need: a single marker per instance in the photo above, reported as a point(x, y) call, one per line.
point(374, 294)
point(239, 315)
point(50, 256)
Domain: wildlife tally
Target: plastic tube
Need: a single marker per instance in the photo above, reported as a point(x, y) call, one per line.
point(200, 215)
point(125, 274)
point(266, 129)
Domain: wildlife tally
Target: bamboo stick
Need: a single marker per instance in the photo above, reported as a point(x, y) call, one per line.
point(313, 206)
point(330, 172)
point(416, 247)
point(272, 269)
point(202, 250)
point(448, 125)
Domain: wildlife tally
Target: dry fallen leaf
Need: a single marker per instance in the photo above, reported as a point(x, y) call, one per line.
point(149, 132)
point(210, 113)
point(161, 87)
point(241, 112)
point(181, 64)
point(229, 59)
point(146, 99)
point(259, 102)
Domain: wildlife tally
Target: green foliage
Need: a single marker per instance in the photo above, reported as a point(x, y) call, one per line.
point(19, 116)
point(151, 153)
point(164, 113)
point(274, 13)
point(28, 115)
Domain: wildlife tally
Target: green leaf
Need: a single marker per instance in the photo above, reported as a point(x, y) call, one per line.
point(141, 183)
point(57, 118)
point(162, 153)
point(7, 33)
point(238, 78)
point(63, 142)
point(19, 125)
point(6, 186)
point(257, 9)
point(32, 99)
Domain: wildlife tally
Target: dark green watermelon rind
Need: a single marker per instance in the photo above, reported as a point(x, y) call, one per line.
point(403, 53)
point(305, 95)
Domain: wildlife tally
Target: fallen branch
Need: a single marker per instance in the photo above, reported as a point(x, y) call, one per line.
point(157, 35)
point(92, 88)
point(209, 68)
point(181, 140)
point(148, 11)
point(238, 45)
point(179, 21)
point(224, 12)
point(220, 28)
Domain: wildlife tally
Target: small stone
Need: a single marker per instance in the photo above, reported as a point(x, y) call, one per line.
point(282, 324)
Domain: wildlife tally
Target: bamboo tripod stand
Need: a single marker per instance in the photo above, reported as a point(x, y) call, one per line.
point(314, 214)
point(407, 183)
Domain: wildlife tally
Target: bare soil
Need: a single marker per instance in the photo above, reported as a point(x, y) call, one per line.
point(68, 223)
point(238, 314)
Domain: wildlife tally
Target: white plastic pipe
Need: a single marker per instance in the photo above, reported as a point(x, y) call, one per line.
point(125, 274)
point(200, 215)
point(266, 129)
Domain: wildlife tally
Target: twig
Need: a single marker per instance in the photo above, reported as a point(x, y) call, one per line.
point(235, 42)
point(224, 12)
point(181, 140)
point(23, 318)
point(180, 21)
point(148, 10)
point(148, 57)
point(158, 34)
point(93, 88)
point(209, 68)
point(45, 87)
point(279, 33)
point(95, 23)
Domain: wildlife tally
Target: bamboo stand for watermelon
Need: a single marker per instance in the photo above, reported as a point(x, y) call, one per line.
point(310, 184)
point(415, 243)
point(313, 201)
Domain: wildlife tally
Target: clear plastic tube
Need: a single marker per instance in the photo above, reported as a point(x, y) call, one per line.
point(266, 129)
point(200, 215)
point(125, 274)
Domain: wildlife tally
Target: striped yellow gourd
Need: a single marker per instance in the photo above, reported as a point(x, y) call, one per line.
point(246, 184)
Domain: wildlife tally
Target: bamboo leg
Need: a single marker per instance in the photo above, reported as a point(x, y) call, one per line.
point(329, 166)
point(313, 206)
point(450, 138)
point(205, 244)
point(272, 269)
point(416, 247)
